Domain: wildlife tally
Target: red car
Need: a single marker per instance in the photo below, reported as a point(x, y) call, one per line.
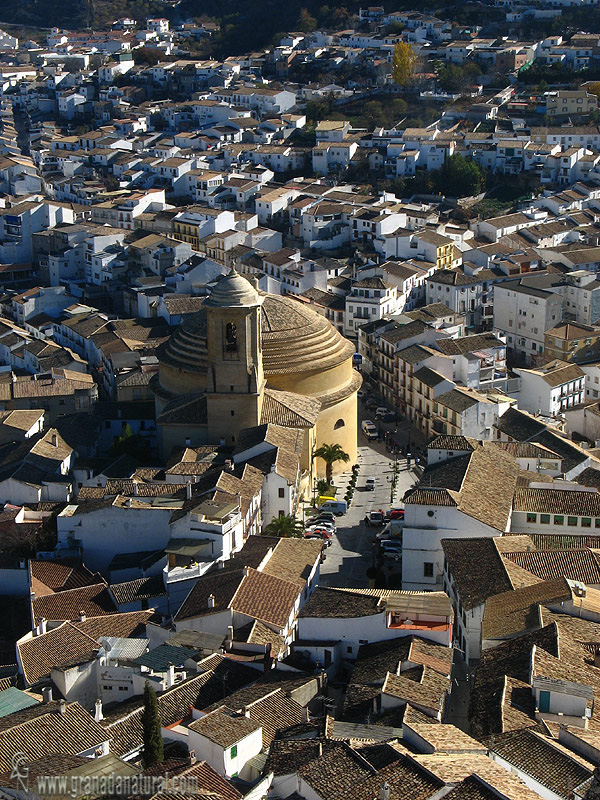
point(397, 513)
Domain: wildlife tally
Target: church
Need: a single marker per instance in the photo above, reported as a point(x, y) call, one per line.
point(248, 359)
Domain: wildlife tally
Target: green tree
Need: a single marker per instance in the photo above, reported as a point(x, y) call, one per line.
point(460, 177)
point(286, 527)
point(403, 63)
point(331, 454)
point(153, 752)
point(306, 22)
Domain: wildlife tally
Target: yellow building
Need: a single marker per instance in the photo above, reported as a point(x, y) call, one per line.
point(248, 359)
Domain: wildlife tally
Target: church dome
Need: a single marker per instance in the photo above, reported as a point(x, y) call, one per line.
point(233, 291)
point(295, 339)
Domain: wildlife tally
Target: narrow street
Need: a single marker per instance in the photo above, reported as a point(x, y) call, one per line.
point(353, 550)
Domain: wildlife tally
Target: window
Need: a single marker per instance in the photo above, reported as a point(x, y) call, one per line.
point(572, 521)
point(233, 751)
point(281, 492)
point(232, 412)
point(597, 524)
point(531, 517)
point(339, 424)
point(586, 522)
point(281, 513)
point(349, 649)
point(559, 519)
point(545, 519)
point(231, 338)
point(428, 569)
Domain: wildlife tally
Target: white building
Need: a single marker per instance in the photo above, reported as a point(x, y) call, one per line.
point(551, 389)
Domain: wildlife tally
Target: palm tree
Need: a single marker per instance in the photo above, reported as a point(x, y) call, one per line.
point(286, 527)
point(331, 453)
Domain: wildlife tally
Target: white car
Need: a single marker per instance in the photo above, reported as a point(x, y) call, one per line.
point(320, 525)
point(370, 484)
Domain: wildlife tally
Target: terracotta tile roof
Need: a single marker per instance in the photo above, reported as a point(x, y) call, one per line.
point(209, 783)
point(326, 603)
point(558, 501)
point(62, 574)
point(519, 425)
point(539, 758)
point(337, 771)
point(265, 597)
point(430, 692)
point(477, 569)
point(516, 611)
point(219, 676)
point(289, 409)
point(293, 560)
point(63, 645)
point(562, 541)
point(481, 484)
point(94, 601)
point(576, 565)
point(75, 642)
point(224, 727)
point(406, 779)
point(454, 443)
point(222, 585)
point(42, 729)
point(138, 589)
point(274, 711)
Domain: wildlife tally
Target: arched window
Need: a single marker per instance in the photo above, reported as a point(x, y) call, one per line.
point(231, 338)
point(339, 424)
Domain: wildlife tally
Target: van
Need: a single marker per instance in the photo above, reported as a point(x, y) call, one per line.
point(369, 429)
point(338, 507)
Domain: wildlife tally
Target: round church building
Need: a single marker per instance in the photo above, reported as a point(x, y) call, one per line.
point(247, 359)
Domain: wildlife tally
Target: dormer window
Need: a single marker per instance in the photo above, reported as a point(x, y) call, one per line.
point(231, 338)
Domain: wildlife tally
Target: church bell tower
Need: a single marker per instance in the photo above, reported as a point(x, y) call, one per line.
point(235, 381)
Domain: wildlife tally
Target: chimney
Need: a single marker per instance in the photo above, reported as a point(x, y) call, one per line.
point(47, 694)
point(229, 639)
point(54, 440)
point(268, 661)
point(384, 792)
point(82, 616)
point(188, 441)
point(192, 757)
point(62, 707)
point(188, 491)
point(246, 572)
point(211, 601)
point(43, 625)
point(320, 748)
point(171, 676)
point(305, 714)
point(135, 489)
point(98, 715)
point(246, 711)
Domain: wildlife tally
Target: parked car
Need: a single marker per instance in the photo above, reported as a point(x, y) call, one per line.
point(380, 411)
point(323, 533)
point(371, 403)
point(394, 555)
point(312, 535)
point(394, 513)
point(369, 429)
point(321, 524)
point(326, 515)
point(387, 546)
point(325, 521)
point(388, 533)
point(370, 484)
point(375, 518)
point(338, 507)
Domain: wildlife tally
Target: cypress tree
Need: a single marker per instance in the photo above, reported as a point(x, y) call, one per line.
point(153, 744)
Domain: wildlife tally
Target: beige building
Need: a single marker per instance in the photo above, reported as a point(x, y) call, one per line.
point(565, 102)
point(247, 359)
